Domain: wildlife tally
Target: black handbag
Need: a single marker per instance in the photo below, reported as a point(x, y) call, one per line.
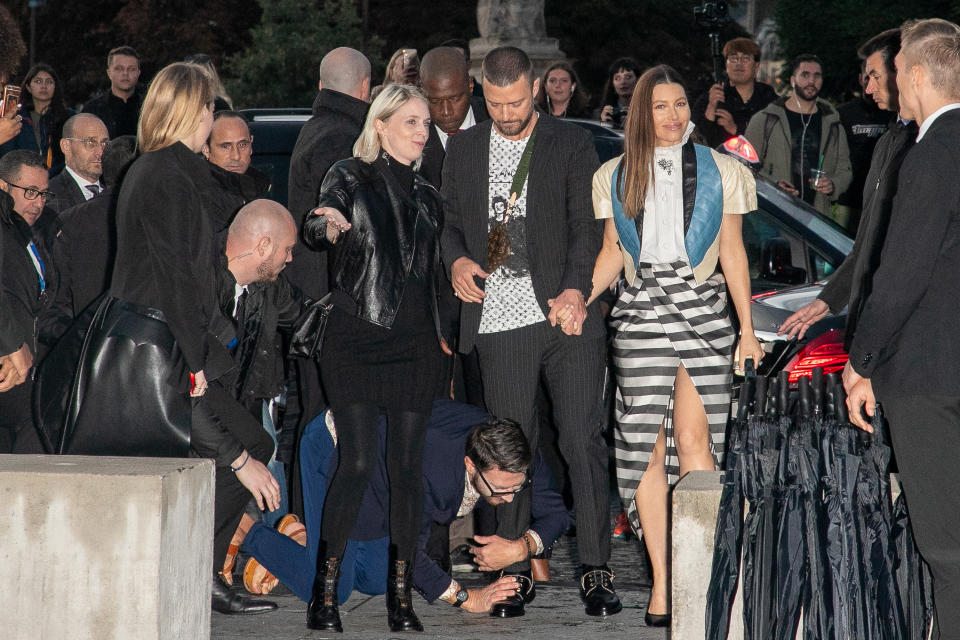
point(307, 338)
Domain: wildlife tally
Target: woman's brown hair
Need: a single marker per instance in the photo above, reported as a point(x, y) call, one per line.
point(639, 140)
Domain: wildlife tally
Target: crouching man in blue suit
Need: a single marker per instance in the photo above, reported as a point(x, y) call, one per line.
point(468, 457)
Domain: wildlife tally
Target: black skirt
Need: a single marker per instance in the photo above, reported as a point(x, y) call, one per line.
point(395, 368)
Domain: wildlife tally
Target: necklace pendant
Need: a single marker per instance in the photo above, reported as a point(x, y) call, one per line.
point(666, 165)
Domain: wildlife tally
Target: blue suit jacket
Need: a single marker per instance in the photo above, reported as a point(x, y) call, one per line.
point(443, 484)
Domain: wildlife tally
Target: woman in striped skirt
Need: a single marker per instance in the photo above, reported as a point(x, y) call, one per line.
point(672, 212)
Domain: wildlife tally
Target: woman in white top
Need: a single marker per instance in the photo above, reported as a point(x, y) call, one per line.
point(672, 212)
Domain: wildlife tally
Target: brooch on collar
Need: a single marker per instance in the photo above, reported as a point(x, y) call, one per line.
point(666, 165)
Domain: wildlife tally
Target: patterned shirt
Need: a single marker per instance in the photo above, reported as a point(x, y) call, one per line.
point(510, 302)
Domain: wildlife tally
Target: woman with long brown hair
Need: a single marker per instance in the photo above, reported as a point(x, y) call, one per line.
point(561, 94)
point(672, 212)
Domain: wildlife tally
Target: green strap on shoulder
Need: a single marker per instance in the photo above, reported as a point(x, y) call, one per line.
point(523, 168)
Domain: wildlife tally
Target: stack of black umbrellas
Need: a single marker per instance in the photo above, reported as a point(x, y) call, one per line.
point(821, 538)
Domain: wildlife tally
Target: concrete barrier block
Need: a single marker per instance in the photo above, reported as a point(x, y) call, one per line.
point(105, 547)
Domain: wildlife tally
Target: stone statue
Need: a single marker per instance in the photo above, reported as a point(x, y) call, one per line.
point(517, 23)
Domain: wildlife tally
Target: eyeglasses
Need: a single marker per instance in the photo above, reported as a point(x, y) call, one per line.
point(740, 58)
point(30, 193)
point(499, 494)
point(91, 143)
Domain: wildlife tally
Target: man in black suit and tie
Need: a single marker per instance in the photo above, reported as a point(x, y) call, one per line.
point(543, 168)
point(445, 81)
point(84, 138)
point(906, 350)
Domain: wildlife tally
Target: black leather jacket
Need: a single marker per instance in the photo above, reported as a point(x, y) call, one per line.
point(370, 262)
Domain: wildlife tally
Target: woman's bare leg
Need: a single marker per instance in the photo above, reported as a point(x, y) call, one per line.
point(651, 501)
point(691, 432)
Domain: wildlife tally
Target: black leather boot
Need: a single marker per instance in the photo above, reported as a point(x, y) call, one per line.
point(322, 612)
point(513, 607)
point(400, 612)
point(223, 599)
point(596, 590)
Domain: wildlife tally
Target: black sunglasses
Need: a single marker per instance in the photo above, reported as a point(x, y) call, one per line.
point(499, 494)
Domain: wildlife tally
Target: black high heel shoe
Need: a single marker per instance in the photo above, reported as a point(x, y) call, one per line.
point(657, 619)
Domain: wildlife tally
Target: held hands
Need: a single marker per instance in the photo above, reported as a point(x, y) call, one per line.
point(462, 275)
point(497, 553)
point(259, 481)
point(482, 600)
point(15, 368)
point(336, 222)
point(569, 310)
point(859, 394)
point(803, 318)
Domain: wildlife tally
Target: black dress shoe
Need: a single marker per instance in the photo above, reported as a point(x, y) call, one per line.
point(513, 607)
point(657, 619)
point(223, 599)
point(597, 592)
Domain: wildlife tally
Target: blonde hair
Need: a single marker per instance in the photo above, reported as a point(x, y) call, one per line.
point(935, 45)
point(203, 61)
point(173, 107)
point(367, 147)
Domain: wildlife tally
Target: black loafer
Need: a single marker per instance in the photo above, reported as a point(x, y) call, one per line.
point(513, 607)
point(597, 592)
point(223, 599)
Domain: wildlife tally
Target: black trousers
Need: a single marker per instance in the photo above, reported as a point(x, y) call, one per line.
point(512, 364)
point(217, 406)
point(926, 441)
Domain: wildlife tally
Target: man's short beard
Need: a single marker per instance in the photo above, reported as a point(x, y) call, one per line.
point(265, 273)
point(803, 94)
point(523, 125)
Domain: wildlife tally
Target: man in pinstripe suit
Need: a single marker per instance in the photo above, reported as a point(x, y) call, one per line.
point(509, 312)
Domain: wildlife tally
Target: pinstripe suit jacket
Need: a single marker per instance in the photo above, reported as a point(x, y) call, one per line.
point(563, 238)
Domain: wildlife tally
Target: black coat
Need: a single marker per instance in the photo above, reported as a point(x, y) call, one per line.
point(120, 117)
point(21, 302)
point(370, 263)
point(326, 138)
point(906, 339)
point(164, 243)
point(714, 134)
point(851, 284)
point(68, 193)
point(431, 166)
point(236, 190)
point(563, 238)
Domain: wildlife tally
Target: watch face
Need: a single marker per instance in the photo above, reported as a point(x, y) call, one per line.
point(462, 595)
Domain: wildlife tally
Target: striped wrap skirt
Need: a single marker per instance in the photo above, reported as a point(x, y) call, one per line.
point(663, 320)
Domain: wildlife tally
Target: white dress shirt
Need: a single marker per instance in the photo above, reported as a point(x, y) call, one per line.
point(468, 121)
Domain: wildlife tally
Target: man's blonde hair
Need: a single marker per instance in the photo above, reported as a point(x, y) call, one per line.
point(173, 107)
point(934, 44)
point(393, 96)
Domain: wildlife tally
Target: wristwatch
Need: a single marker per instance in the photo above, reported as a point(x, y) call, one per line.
point(461, 597)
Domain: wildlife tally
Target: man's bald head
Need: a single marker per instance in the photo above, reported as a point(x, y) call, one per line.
point(260, 241)
point(446, 84)
point(444, 62)
point(346, 70)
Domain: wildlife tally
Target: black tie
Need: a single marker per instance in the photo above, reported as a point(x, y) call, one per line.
point(93, 188)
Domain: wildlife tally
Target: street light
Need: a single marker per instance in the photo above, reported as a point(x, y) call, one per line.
point(34, 4)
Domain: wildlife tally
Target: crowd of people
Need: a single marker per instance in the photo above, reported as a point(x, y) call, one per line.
point(450, 242)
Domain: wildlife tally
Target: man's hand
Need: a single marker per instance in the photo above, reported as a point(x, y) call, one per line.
point(725, 120)
point(259, 481)
point(10, 127)
point(569, 310)
point(461, 276)
point(445, 347)
point(861, 396)
point(497, 553)
point(803, 318)
point(606, 114)
point(825, 186)
point(482, 600)
point(788, 187)
point(199, 384)
point(15, 368)
point(715, 96)
point(336, 222)
point(850, 378)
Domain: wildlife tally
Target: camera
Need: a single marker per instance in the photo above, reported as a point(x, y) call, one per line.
point(712, 15)
point(619, 115)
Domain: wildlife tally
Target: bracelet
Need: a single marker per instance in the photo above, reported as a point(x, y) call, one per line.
point(242, 464)
point(526, 540)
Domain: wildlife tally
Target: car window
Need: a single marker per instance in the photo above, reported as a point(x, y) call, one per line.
point(822, 268)
point(775, 255)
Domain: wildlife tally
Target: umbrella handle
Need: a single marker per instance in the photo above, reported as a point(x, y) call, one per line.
point(761, 396)
point(816, 383)
point(806, 409)
point(773, 398)
point(784, 383)
point(746, 396)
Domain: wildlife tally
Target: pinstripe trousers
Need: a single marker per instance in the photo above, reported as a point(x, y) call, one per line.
point(572, 368)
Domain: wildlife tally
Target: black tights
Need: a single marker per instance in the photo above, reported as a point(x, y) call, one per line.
point(358, 441)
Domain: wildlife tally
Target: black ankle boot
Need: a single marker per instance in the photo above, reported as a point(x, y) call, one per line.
point(322, 612)
point(513, 606)
point(400, 612)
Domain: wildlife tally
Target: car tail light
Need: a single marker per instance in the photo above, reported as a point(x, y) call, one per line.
point(823, 351)
point(740, 147)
